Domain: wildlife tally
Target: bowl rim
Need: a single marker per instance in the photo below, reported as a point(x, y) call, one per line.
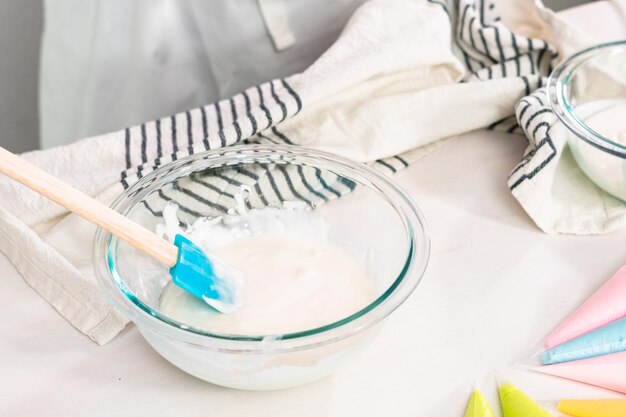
point(559, 100)
point(146, 318)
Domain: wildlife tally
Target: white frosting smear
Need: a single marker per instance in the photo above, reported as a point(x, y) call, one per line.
point(610, 122)
point(608, 118)
point(291, 277)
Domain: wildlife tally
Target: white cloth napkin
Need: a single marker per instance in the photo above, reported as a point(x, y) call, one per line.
point(403, 75)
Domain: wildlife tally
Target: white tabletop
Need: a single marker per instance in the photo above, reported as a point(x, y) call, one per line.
point(494, 287)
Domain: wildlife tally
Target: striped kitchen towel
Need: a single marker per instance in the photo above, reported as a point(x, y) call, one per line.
point(403, 75)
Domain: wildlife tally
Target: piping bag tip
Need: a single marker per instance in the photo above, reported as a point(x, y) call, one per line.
point(478, 406)
point(517, 404)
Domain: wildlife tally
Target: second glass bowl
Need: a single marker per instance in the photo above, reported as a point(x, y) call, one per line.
point(588, 94)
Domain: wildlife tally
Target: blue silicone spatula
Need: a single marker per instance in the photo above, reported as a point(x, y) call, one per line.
point(190, 267)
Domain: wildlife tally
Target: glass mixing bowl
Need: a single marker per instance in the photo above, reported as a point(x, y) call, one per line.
point(588, 94)
point(374, 222)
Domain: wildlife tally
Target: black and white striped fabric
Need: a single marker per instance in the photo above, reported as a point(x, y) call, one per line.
point(535, 117)
point(488, 49)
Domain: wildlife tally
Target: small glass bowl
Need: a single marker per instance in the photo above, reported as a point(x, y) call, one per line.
point(582, 91)
point(374, 222)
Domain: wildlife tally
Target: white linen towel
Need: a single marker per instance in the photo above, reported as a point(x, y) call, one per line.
point(403, 75)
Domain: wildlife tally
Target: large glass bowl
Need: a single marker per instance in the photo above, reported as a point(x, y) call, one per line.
point(367, 216)
point(582, 90)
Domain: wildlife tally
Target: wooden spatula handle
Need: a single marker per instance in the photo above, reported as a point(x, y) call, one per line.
point(91, 210)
